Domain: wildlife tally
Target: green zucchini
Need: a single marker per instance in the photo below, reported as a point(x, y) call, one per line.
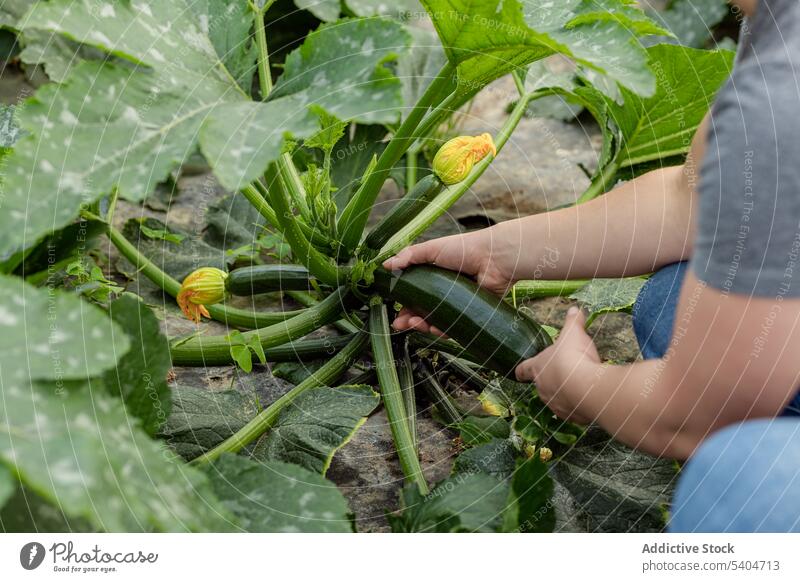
point(267, 278)
point(491, 331)
point(406, 208)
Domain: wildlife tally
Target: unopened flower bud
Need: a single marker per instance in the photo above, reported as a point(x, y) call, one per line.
point(205, 286)
point(545, 454)
point(455, 159)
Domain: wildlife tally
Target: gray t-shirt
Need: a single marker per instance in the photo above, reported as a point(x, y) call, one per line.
point(748, 229)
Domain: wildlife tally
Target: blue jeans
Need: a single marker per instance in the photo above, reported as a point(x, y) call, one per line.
point(745, 477)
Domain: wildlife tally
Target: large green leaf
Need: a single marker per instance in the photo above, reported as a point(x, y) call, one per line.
point(8, 485)
point(77, 448)
point(489, 38)
point(404, 9)
point(145, 120)
point(608, 295)
point(469, 502)
point(617, 489)
point(201, 419)
point(234, 225)
point(278, 497)
point(497, 458)
point(340, 67)
point(109, 126)
point(664, 124)
point(420, 65)
point(140, 376)
point(46, 334)
point(316, 425)
point(26, 512)
point(228, 25)
point(58, 55)
point(325, 10)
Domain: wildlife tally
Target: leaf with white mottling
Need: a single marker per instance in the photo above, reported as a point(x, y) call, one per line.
point(316, 425)
point(110, 126)
point(404, 9)
point(202, 419)
point(229, 25)
point(325, 10)
point(278, 497)
point(47, 334)
point(340, 67)
point(608, 295)
point(140, 376)
point(9, 129)
point(79, 449)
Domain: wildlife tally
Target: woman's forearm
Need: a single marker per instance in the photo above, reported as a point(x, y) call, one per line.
point(634, 229)
point(632, 404)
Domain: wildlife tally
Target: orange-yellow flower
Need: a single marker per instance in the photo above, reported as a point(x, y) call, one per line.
point(455, 159)
point(205, 286)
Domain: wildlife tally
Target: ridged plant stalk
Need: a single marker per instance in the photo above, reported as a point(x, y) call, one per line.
point(231, 316)
point(354, 216)
point(264, 73)
point(392, 394)
point(539, 289)
point(405, 375)
point(216, 350)
point(325, 376)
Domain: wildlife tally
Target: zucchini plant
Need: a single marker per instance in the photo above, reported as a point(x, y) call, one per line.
point(157, 82)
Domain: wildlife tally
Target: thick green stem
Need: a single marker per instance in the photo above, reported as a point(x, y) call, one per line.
point(216, 350)
point(355, 215)
point(294, 184)
point(393, 394)
point(229, 315)
point(437, 116)
point(307, 300)
point(325, 376)
point(446, 199)
point(321, 266)
point(539, 289)
point(264, 73)
point(300, 351)
point(601, 183)
point(411, 169)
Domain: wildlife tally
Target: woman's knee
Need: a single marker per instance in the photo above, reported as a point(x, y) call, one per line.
point(743, 478)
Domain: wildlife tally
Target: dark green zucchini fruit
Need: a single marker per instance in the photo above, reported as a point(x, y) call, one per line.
point(492, 332)
point(267, 279)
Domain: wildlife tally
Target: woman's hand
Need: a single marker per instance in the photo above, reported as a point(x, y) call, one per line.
point(556, 369)
point(476, 254)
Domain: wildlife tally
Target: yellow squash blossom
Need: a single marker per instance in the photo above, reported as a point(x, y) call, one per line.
point(205, 286)
point(455, 159)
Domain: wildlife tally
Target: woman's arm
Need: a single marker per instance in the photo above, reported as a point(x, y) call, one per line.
point(636, 228)
point(732, 358)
